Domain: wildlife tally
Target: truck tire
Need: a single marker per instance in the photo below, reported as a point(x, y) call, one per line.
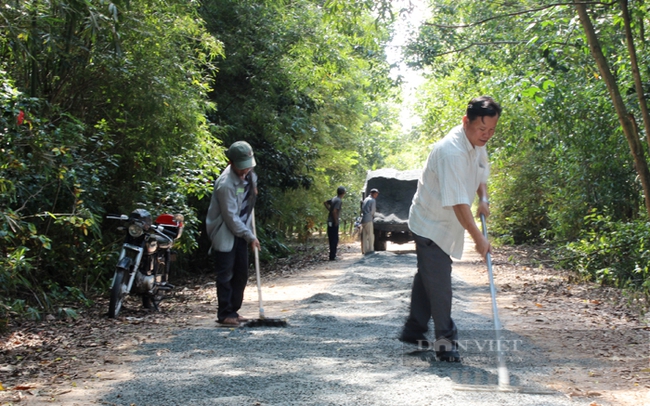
point(380, 240)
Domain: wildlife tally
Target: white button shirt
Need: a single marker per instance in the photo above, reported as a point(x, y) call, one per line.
point(451, 176)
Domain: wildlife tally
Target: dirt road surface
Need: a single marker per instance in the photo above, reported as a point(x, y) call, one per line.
point(577, 341)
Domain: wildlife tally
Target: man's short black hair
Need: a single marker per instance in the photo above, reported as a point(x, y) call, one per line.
point(481, 107)
point(340, 190)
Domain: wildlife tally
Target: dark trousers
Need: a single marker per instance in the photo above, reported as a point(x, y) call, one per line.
point(431, 295)
point(333, 237)
point(232, 275)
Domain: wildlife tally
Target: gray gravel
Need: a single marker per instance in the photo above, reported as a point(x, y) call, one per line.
point(339, 349)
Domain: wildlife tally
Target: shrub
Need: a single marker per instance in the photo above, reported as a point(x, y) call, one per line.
point(612, 253)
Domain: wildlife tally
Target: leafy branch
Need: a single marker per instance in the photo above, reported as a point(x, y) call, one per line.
point(517, 13)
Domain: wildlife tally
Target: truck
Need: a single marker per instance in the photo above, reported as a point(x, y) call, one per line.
point(396, 191)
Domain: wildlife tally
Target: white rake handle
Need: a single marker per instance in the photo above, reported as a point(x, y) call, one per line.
point(257, 269)
point(503, 375)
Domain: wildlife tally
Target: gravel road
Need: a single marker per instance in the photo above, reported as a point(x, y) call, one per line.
point(340, 348)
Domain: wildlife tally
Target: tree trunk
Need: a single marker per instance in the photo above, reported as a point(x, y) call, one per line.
point(638, 84)
point(640, 163)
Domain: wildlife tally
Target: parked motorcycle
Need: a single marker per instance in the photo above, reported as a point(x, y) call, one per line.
point(145, 260)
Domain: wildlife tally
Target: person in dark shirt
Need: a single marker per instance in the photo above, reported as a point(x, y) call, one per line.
point(334, 205)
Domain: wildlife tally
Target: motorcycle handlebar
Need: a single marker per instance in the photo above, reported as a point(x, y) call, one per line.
point(116, 217)
point(159, 229)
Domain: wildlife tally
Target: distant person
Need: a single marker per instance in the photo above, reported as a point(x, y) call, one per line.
point(334, 205)
point(229, 226)
point(455, 172)
point(368, 209)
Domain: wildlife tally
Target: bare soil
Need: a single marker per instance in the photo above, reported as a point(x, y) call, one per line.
point(597, 337)
point(70, 362)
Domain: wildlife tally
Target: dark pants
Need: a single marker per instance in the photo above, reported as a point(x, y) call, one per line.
point(232, 275)
point(333, 237)
point(431, 295)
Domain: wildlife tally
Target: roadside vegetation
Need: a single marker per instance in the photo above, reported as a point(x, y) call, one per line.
point(569, 162)
point(110, 106)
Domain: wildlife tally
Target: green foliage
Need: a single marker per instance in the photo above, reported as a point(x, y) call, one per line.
point(51, 184)
point(558, 151)
point(611, 252)
point(110, 106)
point(559, 154)
point(110, 116)
point(520, 201)
point(305, 85)
point(121, 105)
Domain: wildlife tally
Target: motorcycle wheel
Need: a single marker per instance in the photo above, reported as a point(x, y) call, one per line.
point(117, 295)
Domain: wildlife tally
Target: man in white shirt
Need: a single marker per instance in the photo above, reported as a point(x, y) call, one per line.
point(455, 172)
point(368, 208)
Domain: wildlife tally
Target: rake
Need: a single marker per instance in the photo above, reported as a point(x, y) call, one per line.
point(502, 370)
point(263, 321)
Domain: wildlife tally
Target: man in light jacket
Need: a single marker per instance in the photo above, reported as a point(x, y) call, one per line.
point(229, 225)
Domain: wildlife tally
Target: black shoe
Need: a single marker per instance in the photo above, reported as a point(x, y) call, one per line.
point(418, 339)
point(448, 356)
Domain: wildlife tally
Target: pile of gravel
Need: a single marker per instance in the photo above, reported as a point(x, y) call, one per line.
point(339, 349)
point(396, 190)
